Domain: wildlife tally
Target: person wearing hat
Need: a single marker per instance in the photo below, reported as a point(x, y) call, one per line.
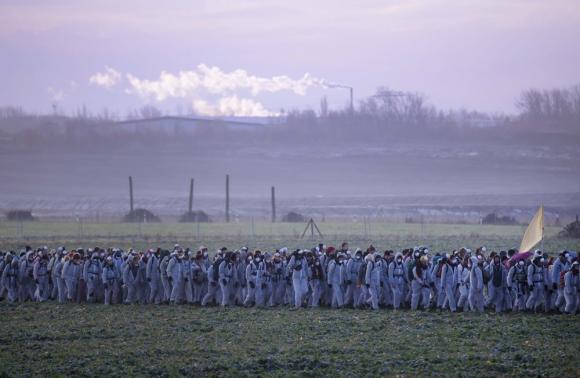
point(475, 297)
point(353, 266)
point(559, 269)
point(298, 266)
point(572, 288)
point(537, 280)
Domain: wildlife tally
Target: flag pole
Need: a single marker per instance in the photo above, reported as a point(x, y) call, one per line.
point(543, 225)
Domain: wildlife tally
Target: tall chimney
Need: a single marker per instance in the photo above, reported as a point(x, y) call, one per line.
point(351, 90)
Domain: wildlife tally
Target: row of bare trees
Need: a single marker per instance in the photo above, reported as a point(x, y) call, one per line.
point(556, 107)
point(384, 116)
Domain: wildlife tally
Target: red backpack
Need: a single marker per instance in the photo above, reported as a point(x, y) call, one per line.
point(562, 274)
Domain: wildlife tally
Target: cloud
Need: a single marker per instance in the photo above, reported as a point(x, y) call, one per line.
point(106, 79)
point(215, 81)
point(231, 106)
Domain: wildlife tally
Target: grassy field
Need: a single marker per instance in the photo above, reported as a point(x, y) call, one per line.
point(267, 235)
point(94, 340)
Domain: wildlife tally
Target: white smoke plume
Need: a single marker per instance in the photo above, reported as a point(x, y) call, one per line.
point(56, 95)
point(192, 84)
point(231, 106)
point(215, 81)
point(106, 79)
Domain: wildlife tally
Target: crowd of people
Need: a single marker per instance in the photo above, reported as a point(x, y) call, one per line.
point(415, 278)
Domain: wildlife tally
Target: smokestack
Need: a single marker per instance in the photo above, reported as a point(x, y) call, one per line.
point(191, 195)
point(131, 193)
point(273, 205)
point(227, 198)
point(351, 90)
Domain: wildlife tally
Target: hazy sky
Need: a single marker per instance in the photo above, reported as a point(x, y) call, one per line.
point(255, 57)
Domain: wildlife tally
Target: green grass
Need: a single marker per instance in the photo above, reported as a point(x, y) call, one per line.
point(265, 235)
point(94, 340)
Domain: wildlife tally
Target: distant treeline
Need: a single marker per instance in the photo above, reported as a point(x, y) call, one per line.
point(386, 117)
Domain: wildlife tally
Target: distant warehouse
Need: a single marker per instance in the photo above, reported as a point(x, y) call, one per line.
point(189, 125)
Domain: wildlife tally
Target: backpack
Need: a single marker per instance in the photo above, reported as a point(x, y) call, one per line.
point(439, 270)
point(410, 270)
point(216, 270)
point(486, 276)
point(362, 273)
point(562, 282)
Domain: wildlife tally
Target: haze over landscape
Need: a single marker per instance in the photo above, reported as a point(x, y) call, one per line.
point(458, 108)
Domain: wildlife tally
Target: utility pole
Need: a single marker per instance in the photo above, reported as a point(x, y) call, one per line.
point(190, 196)
point(227, 198)
point(131, 194)
point(273, 205)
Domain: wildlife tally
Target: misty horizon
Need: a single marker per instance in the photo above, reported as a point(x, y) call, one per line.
point(475, 56)
point(454, 104)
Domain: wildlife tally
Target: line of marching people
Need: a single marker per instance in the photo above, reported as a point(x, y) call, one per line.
point(322, 276)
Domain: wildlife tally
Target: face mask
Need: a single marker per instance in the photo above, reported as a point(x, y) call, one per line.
point(542, 260)
point(399, 260)
point(521, 263)
point(358, 257)
point(258, 259)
